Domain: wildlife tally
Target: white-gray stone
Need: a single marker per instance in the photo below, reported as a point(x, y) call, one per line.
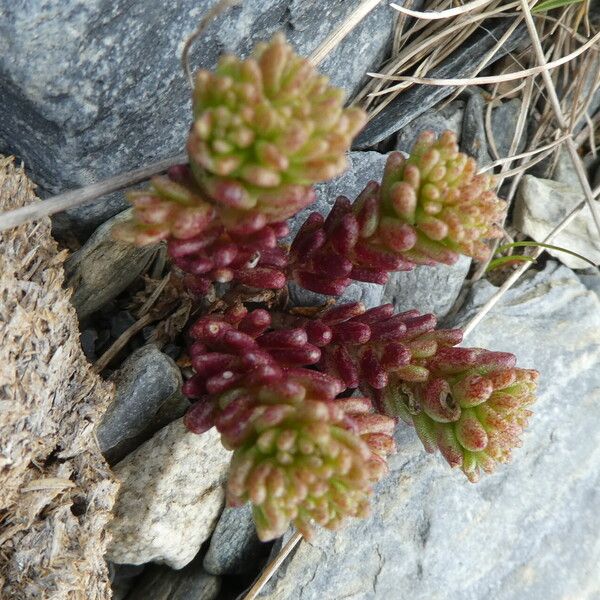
point(591, 279)
point(527, 532)
point(170, 497)
point(90, 88)
point(147, 380)
point(428, 289)
point(541, 204)
point(103, 267)
point(234, 545)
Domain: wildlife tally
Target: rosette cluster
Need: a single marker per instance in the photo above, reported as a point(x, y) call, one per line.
point(217, 255)
point(172, 207)
point(369, 348)
point(428, 209)
point(265, 129)
point(301, 456)
point(327, 254)
point(473, 406)
point(437, 192)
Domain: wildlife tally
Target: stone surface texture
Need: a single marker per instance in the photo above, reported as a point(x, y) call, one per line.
point(473, 138)
point(145, 382)
point(191, 583)
point(541, 204)
point(103, 267)
point(234, 545)
point(527, 532)
point(91, 88)
point(440, 119)
point(428, 289)
point(504, 125)
point(170, 497)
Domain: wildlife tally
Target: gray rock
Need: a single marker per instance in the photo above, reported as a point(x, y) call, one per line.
point(591, 279)
point(146, 382)
point(504, 125)
point(439, 120)
point(234, 545)
point(191, 583)
point(91, 88)
point(428, 289)
point(541, 204)
point(363, 167)
point(418, 99)
point(122, 578)
point(101, 269)
point(564, 171)
point(121, 322)
point(370, 294)
point(474, 139)
point(87, 339)
point(527, 532)
point(170, 498)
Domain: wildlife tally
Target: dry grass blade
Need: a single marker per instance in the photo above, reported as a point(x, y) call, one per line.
point(272, 567)
point(555, 102)
point(488, 79)
point(509, 159)
point(84, 195)
point(343, 30)
point(214, 12)
point(442, 14)
point(122, 341)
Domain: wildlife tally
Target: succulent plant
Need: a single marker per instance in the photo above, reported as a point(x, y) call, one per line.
point(306, 461)
point(217, 255)
point(300, 455)
point(437, 193)
point(473, 406)
point(328, 254)
point(265, 129)
point(372, 347)
point(367, 348)
point(428, 209)
point(172, 207)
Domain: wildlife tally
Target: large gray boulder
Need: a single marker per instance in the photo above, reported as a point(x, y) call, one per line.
point(527, 532)
point(92, 88)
